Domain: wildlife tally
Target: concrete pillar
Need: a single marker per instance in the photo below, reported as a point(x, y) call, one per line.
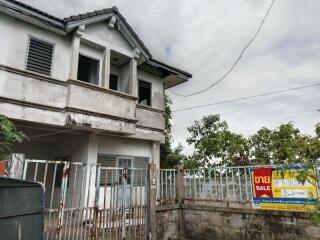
point(91, 171)
point(104, 82)
point(93, 148)
point(75, 54)
point(180, 189)
point(156, 154)
point(15, 166)
point(133, 78)
point(179, 184)
point(151, 202)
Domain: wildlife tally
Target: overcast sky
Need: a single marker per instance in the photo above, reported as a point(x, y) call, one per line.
point(205, 37)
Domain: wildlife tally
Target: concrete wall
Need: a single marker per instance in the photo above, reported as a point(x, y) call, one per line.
point(203, 222)
point(101, 31)
point(124, 146)
point(168, 221)
point(157, 99)
point(14, 45)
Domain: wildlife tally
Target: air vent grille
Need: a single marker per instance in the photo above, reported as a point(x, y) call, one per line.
point(39, 56)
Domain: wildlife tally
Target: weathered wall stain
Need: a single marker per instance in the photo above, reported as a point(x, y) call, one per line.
point(208, 222)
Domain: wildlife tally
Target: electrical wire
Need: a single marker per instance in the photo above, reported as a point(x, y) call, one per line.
point(235, 63)
point(248, 97)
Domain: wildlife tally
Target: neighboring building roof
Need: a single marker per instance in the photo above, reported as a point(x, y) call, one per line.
point(81, 19)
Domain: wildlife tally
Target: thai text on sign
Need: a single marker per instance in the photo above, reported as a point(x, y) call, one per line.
point(278, 189)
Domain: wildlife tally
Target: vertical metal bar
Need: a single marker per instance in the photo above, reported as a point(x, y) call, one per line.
point(81, 208)
point(87, 221)
point(204, 184)
point(250, 182)
point(246, 181)
point(233, 184)
point(215, 182)
point(124, 198)
point(96, 203)
point(221, 183)
point(51, 197)
point(35, 172)
point(227, 183)
point(199, 185)
point(240, 185)
point(25, 168)
point(45, 174)
point(162, 185)
point(194, 184)
point(174, 184)
point(64, 186)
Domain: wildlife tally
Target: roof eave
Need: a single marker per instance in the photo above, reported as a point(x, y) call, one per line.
point(32, 17)
point(169, 69)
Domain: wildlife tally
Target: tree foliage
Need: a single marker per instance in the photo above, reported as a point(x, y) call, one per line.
point(169, 156)
point(215, 144)
point(8, 136)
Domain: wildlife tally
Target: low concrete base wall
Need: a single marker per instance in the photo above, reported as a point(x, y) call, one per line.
point(209, 222)
point(168, 219)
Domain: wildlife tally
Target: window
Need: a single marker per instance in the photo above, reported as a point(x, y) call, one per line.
point(144, 93)
point(140, 176)
point(88, 70)
point(113, 82)
point(111, 177)
point(40, 55)
point(107, 177)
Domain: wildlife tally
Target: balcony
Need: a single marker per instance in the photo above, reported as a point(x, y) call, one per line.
point(30, 97)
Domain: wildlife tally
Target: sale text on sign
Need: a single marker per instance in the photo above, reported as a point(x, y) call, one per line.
point(277, 188)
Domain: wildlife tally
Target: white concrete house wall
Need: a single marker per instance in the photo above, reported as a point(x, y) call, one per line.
point(64, 116)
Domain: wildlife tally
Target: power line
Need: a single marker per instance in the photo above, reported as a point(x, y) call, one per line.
point(248, 97)
point(235, 63)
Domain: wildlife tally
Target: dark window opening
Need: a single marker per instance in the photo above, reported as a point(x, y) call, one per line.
point(113, 82)
point(88, 70)
point(144, 93)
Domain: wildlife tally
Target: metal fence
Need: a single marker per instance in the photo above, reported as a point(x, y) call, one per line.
point(226, 184)
point(88, 201)
point(231, 184)
point(223, 184)
point(166, 185)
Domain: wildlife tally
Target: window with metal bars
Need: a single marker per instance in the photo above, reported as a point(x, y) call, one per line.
point(40, 55)
point(111, 176)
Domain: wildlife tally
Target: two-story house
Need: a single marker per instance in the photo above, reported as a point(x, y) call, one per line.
point(84, 88)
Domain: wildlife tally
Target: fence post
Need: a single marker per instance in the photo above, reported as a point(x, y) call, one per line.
point(151, 202)
point(179, 184)
point(15, 165)
point(64, 186)
point(94, 233)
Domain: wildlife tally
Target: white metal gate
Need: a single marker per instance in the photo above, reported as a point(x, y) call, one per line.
point(88, 201)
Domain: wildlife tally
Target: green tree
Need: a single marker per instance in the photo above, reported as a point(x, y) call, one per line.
point(215, 144)
point(8, 136)
point(169, 156)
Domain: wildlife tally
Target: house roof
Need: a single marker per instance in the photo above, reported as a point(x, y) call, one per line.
point(68, 24)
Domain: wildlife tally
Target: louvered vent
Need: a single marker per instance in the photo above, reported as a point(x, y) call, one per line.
point(39, 56)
